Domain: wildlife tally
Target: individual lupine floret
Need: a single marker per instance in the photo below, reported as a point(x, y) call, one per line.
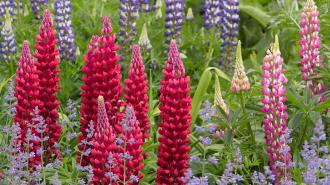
point(65, 35)
point(26, 92)
point(310, 42)
point(274, 107)
point(47, 64)
point(212, 14)
point(104, 144)
point(136, 90)
point(8, 46)
point(130, 151)
point(173, 150)
point(174, 19)
point(128, 13)
point(38, 7)
point(229, 32)
point(240, 81)
point(102, 77)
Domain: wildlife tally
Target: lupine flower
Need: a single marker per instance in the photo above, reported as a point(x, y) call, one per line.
point(65, 35)
point(145, 6)
point(174, 19)
point(136, 90)
point(212, 14)
point(276, 116)
point(38, 7)
point(229, 32)
point(218, 100)
point(128, 14)
point(310, 42)
point(8, 46)
point(131, 148)
point(190, 14)
point(7, 6)
point(158, 8)
point(104, 144)
point(144, 39)
point(240, 81)
point(102, 77)
point(47, 65)
point(173, 151)
point(26, 92)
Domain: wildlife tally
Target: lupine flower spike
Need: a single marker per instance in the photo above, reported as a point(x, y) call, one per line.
point(240, 81)
point(104, 142)
point(9, 6)
point(310, 42)
point(229, 32)
point(65, 35)
point(128, 14)
point(26, 87)
point(8, 46)
point(173, 151)
point(144, 41)
point(136, 90)
point(38, 7)
point(218, 100)
point(174, 19)
point(47, 64)
point(276, 116)
point(190, 14)
point(212, 14)
point(102, 77)
point(145, 6)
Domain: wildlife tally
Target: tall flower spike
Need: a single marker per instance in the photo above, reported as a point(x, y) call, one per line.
point(173, 150)
point(144, 39)
point(229, 32)
point(145, 6)
point(104, 144)
point(9, 6)
point(47, 65)
point(65, 35)
point(26, 87)
point(128, 14)
point(218, 100)
point(8, 46)
point(310, 42)
point(212, 14)
point(240, 81)
point(102, 77)
point(38, 7)
point(131, 158)
point(276, 116)
point(137, 90)
point(174, 19)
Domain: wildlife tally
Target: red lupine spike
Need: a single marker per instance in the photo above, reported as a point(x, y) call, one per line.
point(26, 87)
point(104, 144)
point(47, 65)
point(136, 90)
point(173, 151)
point(107, 27)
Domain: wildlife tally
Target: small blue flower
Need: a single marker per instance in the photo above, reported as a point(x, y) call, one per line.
point(213, 160)
point(205, 140)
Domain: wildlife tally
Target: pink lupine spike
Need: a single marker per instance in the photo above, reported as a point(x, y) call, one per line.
point(107, 27)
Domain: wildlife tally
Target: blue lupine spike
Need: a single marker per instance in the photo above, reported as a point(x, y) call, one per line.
point(65, 34)
point(7, 6)
point(174, 19)
point(8, 46)
point(229, 32)
point(128, 14)
point(212, 14)
point(38, 7)
point(145, 6)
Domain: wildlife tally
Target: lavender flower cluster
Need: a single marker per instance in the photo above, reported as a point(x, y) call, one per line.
point(65, 35)
point(174, 19)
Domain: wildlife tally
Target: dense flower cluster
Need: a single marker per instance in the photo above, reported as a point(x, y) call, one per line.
point(8, 46)
point(38, 6)
point(212, 13)
point(274, 107)
point(136, 90)
point(310, 42)
point(240, 81)
point(47, 64)
point(229, 32)
point(145, 5)
point(65, 35)
point(102, 77)
point(230, 175)
point(128, 13)
point(7, 6)
point(173, 151)
point(174, 19)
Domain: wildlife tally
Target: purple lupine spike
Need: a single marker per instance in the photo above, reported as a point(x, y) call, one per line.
point(274, 107)
point(310, 42)
point(128, 14)
point(229, 10)
point(8, 46)
point(174, 19)
point(145, 6)
point(65, 35)
point(7, 6)
point(38, 7)
point(212, 14)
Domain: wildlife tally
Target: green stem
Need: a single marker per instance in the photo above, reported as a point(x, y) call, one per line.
point(244, 112)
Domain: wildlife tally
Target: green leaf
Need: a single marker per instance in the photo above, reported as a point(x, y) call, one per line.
point(257, 13)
